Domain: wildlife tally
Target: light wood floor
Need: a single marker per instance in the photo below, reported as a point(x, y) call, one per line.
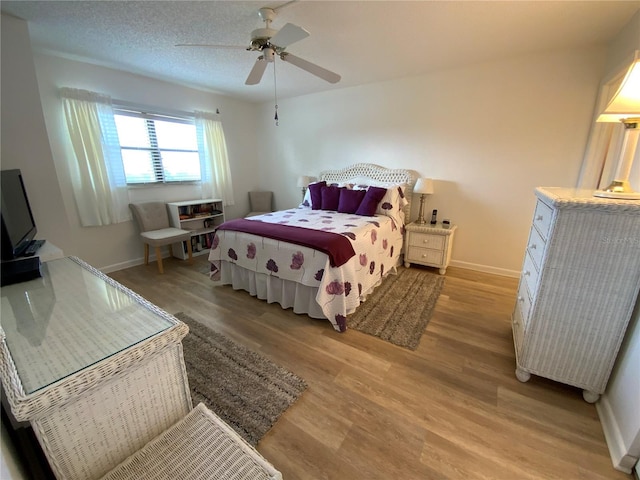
point(452, 409)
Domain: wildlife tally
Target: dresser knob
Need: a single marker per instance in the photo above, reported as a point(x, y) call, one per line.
point(527, 273)
point(521, 299)
point(539, 218)
point(532, 246)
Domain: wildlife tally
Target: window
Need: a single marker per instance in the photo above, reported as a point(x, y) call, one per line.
point(157, 148)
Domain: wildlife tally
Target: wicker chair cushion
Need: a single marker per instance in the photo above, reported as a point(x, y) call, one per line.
point(260, 203)
point(164, 236)
point(150, 215)
point(199, 447)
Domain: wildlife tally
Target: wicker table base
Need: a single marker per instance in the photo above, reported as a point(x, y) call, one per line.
point(94, 368)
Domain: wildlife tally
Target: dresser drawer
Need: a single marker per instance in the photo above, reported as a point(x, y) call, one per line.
point(518, 329)
point(426, 240)
point(535, 247)
point(524, 303)
point(425, 255)
point(542, 218)
point(530, 275)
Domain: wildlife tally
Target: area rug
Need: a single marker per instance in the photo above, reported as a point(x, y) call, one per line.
point(245, 389)
point(399, 309)
point(204, 268)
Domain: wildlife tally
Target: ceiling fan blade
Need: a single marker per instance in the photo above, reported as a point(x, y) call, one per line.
point(232, 47)
point(288, 34)
point(312, 68)
point(255, 75)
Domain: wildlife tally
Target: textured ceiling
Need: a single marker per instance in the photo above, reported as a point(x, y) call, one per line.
point(364, 41)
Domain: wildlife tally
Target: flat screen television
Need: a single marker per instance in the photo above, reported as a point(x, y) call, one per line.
point(18, 226)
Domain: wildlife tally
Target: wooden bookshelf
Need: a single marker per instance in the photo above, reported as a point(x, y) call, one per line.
point(201, 217)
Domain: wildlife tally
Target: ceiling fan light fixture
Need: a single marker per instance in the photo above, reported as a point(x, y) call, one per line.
point(262, 35)
point(269, 54)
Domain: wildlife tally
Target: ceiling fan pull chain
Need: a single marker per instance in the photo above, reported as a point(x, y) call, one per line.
point(275, 91)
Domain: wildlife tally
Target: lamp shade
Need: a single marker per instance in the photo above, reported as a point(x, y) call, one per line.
point(303, 181)
point(423, 186)
point(626, 101)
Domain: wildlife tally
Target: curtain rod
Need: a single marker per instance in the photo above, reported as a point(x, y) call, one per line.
point(148, 108)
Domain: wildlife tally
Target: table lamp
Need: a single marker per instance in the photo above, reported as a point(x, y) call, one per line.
point(303, 182)
point(624, 107)
point(424, 186)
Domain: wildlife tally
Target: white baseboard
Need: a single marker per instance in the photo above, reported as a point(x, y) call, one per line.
point(134, 263)
point(485, 268)
point(617, 450)
point(121, 266)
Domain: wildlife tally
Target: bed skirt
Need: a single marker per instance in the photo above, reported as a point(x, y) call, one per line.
point(286, 293)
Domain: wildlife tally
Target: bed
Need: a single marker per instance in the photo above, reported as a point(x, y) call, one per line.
point(324, 257)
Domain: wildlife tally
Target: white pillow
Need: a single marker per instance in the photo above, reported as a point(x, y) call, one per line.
point(393, 203)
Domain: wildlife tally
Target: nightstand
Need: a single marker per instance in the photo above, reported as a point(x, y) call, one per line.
point(428, 245)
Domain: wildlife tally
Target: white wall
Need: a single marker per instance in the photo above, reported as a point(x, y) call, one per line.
point(488, 133)
point(39, 146)
point(123, 246)
point(619, 407)
point(24, 137)
point(25, 146)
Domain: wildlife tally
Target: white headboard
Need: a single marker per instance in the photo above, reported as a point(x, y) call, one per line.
point(374, 172)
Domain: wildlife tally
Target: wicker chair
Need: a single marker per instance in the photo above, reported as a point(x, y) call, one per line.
point(260, 202)
point(153, 221)
point(199, 447)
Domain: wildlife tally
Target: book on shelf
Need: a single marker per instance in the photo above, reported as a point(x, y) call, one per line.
point(208, 239)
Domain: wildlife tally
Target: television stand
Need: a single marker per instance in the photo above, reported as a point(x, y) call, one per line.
point(97, 370)
point(20, 270)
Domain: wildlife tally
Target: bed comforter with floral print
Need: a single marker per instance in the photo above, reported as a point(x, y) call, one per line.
point(376, 243)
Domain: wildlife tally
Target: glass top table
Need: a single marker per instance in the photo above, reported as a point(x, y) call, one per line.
point(72, 317)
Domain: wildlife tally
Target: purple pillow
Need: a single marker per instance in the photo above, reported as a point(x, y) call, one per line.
point(350, 200)
point(315, 190)
point(330, 198)
point(370, 201)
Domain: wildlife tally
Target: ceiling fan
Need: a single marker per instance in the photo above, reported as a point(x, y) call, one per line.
point(271, 43)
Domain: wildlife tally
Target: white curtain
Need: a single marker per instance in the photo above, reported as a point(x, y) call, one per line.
point(214, 162)
point(97, 175)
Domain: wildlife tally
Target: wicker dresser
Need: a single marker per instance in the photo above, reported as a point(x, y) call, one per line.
point(94, 368)
point(579, 283)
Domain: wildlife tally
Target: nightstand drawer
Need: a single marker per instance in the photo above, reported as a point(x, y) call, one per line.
point(426, 240)
point(425, 255)
point(542, 218)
